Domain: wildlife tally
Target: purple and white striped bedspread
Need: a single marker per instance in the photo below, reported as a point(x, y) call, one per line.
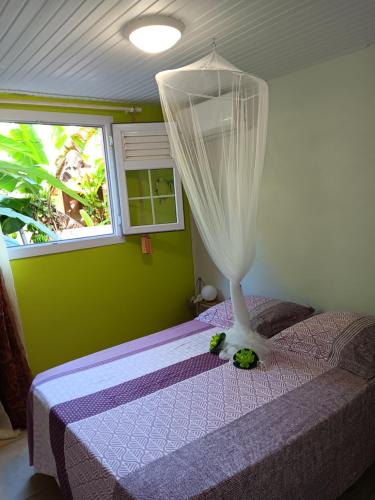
point(160, 418)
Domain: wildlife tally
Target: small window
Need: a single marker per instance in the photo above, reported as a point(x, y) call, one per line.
point(149, 185)
point(55, 191)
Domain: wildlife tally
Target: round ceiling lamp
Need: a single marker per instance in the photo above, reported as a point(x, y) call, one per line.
point(154, 34)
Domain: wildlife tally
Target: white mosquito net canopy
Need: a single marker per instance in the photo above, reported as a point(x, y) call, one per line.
point(216, 119)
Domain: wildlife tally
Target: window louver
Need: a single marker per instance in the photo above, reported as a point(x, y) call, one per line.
point(146, 146)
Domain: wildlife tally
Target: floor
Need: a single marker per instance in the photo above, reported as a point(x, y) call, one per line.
point(17, 481)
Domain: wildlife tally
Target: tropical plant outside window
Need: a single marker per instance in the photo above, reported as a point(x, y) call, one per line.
point(53, 183)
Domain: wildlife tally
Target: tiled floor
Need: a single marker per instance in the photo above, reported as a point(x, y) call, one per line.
point(17, 481)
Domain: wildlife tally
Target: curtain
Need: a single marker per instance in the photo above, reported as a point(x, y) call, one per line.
point(15, 375)
point(216, 120)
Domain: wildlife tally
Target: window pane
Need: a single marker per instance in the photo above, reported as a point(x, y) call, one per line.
point(162, 181)
point(54, 184)
point(165, 210)
point(138, 183)
point(140, 212)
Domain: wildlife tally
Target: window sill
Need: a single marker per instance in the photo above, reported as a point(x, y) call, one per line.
point(23, 252)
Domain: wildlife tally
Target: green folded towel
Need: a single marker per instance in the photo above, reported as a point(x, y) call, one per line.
point(217, 342)
point(245, 359)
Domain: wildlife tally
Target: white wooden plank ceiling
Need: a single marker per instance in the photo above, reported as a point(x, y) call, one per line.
point(75, 47)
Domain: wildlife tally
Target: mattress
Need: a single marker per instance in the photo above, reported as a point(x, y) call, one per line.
point(160, 417)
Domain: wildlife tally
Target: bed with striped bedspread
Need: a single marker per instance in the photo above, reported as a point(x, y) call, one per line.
point(161, 418)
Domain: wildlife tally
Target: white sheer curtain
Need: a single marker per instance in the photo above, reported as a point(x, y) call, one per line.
point(6, 430)
point(217, 120)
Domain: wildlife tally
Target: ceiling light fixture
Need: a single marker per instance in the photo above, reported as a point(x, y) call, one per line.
point(154, 34)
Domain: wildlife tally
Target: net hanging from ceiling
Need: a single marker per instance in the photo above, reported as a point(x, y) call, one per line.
point(216, 120)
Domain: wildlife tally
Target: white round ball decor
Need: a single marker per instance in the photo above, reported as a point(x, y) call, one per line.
point(209, 293)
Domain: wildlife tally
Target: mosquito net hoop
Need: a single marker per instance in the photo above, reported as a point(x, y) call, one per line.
point(216, 118)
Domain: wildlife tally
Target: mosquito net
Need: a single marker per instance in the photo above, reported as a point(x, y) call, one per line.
point(216, 118)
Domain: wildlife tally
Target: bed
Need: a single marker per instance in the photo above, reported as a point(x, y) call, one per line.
point(160, 417)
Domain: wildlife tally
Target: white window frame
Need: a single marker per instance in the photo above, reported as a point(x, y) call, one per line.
point(123, 166)
point(85, 120)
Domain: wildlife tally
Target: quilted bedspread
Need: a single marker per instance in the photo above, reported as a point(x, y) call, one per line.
point(161, 418)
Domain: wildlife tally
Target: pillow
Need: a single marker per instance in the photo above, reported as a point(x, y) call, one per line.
point(316, 336)
point(356, 353)
point(268, 316)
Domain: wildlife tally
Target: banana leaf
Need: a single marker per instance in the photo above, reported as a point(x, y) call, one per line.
point(21, 205)
point(23, 184)
point(10, 225)
point(39, 174)
point(12, 214)
point(59, 136)
point(29, 144)
point(8, 182)
point(79, 142)
point(18, 204)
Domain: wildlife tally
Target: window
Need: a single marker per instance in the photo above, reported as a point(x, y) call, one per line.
point(57, 185)
point(149, 185)
point(60, 189)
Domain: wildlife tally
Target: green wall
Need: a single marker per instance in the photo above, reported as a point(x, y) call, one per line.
point(316, 224)
point(79, 302)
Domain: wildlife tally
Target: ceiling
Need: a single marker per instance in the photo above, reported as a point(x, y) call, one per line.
point(75, 47)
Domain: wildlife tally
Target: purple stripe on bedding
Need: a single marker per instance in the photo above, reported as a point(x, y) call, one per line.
point(107, 356)
point(78, 409)
point(123, 350)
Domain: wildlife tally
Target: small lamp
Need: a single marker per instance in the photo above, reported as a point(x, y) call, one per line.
point(209, 293)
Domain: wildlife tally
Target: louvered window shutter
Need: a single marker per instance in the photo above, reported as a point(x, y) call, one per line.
point(149, 184)
point(146, 146)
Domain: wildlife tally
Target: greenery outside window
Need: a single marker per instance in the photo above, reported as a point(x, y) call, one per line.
point(57, 182)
